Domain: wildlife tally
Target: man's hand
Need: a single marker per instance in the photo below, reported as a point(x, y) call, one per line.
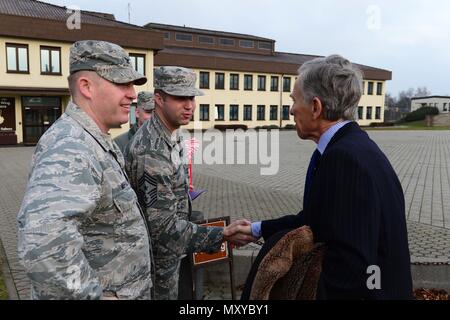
point(239, 232)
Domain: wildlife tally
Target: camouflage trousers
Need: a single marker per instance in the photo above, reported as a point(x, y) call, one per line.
point(167, 273)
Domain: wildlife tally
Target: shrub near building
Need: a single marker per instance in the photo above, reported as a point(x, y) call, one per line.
point(420, 114)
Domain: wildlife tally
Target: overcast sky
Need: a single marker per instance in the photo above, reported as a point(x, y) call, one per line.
point(409, 37)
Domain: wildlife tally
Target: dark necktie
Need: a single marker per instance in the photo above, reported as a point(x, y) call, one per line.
point(313, 164)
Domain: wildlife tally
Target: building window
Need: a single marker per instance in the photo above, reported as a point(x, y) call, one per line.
point(360, 113)
point(445, 107)
point(50, 60)
point(247, 112)
point(205, 39)
point(204, 80)
point(363, 87)
point(167, 35)
point(226, 42)
point(204, 112)
point(234, 81)
point(287, 84)
point(234, 112)
point(248, 82)
point(369, 113)
point(220, 112)
point(378, 113)
point(17, 58)
point(273, 83)
point(379, 88)
point(370, 88)
point(138, 62)
point(261, 115)
point(286, 112)
point(246, 44)
point(273, 112)
point(265, 45)
point(220, 80)
point(183, 37)
point(261, 83)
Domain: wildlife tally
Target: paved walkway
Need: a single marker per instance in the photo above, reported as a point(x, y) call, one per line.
point(420, 158)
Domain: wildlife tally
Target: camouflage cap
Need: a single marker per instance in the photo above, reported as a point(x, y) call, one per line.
point(176, 81)
point(145, 99)
point(107, 59)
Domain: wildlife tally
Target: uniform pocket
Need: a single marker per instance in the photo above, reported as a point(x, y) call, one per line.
point(124, 200)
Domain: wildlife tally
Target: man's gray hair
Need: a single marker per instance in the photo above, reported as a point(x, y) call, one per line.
point(336, 82)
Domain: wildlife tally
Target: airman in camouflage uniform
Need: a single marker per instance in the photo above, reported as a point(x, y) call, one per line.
point(144, 110)
point(156, 164)
point(81, 232)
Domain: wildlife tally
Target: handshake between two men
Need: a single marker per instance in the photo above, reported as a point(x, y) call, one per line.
point(239, 232)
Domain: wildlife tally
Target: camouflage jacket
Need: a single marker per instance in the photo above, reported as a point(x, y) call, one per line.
point(123, 139)
point(156, 164)
point(81, 233)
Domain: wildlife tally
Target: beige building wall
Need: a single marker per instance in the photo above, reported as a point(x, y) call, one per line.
point(373, 101)
point(442, 103)
point(242, 97)
point(35, 80)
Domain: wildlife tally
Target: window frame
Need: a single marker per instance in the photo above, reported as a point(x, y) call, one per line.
point(201, 114)
point(362, 113)
point(379, 88)
point(216, 82)
point(272, 87)
point(261, 45)
point(246, 107)
point(226, 44)
point(284, 84)
point(223, 112)
point(272, 107)
point(232, 106)
point(234, 76)
point(248, 76)
point(258, 107)
point(246, 41)
point(138, 55)
point(202, 85)
point(370, 88)
point(368, 115)
point(16, 46)
point(50, 49)
point(203, 37)
point(183, 34)
point(259, 82)
point(288, 112)
point(377, 115)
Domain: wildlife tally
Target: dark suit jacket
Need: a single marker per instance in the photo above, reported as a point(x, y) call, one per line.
point(356, 206)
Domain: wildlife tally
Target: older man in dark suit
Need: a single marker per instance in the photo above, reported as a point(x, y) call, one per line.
point(353, 200)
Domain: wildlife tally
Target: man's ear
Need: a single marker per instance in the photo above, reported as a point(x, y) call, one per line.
point(136, 112)
point(317, 108)
point(85, 87)
point(158, 99)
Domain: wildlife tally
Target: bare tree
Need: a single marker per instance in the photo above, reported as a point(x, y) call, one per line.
point(422, 92)
point(390, 102)
point(403, 102)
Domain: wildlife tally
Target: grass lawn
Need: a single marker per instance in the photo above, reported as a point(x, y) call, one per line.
point(3, 291)
point(415, 125)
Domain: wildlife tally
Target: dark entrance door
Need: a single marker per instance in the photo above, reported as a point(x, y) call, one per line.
point(38, 114)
